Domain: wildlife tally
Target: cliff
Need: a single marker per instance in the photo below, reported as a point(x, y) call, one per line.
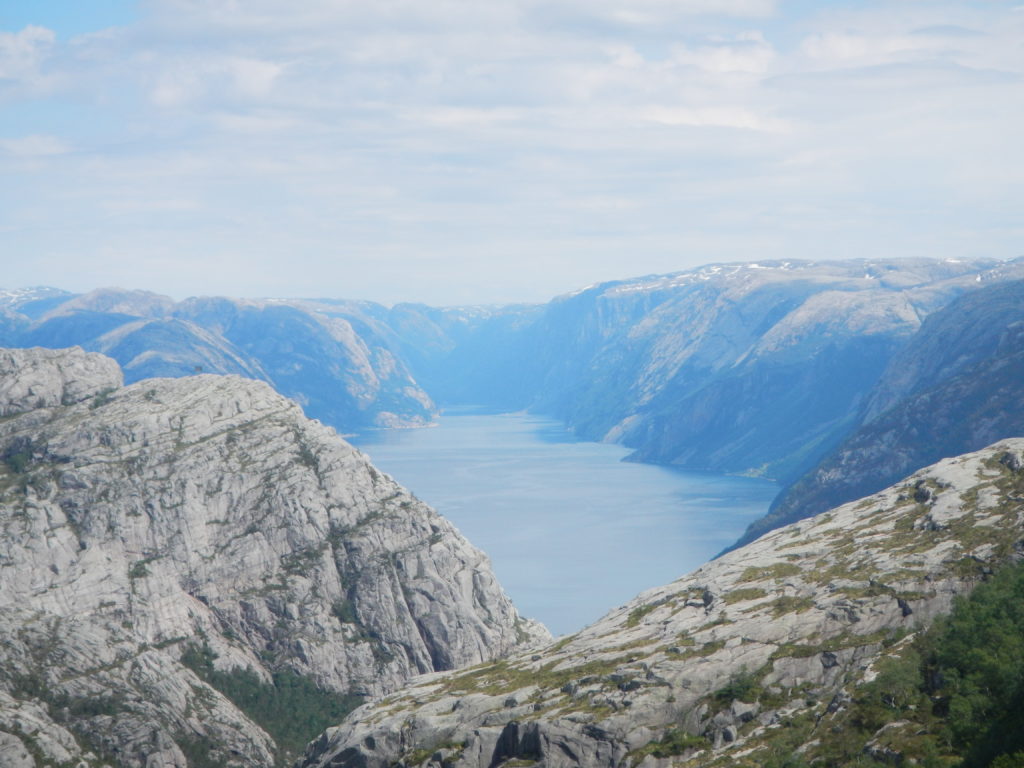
point(954, 387)
point(159, 539)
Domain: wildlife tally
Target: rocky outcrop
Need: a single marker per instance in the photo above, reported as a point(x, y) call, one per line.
point(44, 378)
point(954, 388)
point(206, 518)
point(719, 666)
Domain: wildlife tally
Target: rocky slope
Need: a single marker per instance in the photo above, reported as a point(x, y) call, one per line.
point(335, 359)
point(955, 387)
point(145, 526)
point(744, 368)
point(726, 666)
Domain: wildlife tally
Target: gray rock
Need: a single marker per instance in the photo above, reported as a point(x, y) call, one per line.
point(44, 378)
point(176, 513)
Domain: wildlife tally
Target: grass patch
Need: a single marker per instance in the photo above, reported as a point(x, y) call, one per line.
point(744, 594)
point(773, 571)
point(638, 613)
point(790, 604)
point(674, 742)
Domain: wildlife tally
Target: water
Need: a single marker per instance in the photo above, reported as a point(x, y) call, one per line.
point(571, 530)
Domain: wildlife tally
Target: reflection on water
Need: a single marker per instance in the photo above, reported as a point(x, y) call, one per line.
point(572, 531)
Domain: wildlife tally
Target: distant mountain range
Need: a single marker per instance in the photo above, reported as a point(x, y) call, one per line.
point(760, 368)
point(334, 358)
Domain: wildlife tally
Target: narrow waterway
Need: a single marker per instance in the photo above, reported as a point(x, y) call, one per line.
point(572, 531)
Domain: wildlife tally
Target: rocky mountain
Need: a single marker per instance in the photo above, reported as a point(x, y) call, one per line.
point(766, 656)
point(754, 368)
point(954, 387)
point(334, 358)
point(192, 572)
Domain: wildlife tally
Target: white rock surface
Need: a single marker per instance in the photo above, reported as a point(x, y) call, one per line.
point(43, 378)
point(138, 522)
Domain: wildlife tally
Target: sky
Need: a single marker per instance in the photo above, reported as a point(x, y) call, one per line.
point(467, 152)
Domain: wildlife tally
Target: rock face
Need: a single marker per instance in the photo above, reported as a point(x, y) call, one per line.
point(44, 378)
point(716, 667)
point(743, 368)
point(142, 523)
point(954, 388)
point(334, 358)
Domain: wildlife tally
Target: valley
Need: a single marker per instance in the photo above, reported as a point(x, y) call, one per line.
point(570, 529)
point(193, 560)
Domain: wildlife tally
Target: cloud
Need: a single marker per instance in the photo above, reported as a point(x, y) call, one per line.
point(712, 117)
point(36, 145)
point(510, 146)
point(179, 80)
point(22, 55)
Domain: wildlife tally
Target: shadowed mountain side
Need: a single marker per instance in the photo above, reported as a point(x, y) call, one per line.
point(742, 368)
point(954, 388)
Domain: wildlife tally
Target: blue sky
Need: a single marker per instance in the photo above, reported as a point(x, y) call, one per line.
point(466, 152)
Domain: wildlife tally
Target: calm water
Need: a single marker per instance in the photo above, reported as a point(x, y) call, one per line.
point(571, 530)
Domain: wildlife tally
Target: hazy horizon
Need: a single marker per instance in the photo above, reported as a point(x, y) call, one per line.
point(327, 297)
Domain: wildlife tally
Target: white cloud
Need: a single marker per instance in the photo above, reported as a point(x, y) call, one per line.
point(179, 80)
point(36, 145)
point(460, 141)
point(22, 52)
point(712, 117)
point(22, 56)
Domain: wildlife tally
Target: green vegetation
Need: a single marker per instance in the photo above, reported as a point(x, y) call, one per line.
point(743, 594)
point(140, 568)
point(791, 604)
point(102, 397)
point(292, 709)
point(773, 571)
point(345, 612)
point(743, 686)
point(674, 742)
point(951, 698)
point(638, 613)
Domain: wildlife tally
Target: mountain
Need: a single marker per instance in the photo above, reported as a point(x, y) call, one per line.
point(954, 387)
point(760, 368)
point(801, 648)
point(755, 368)
point(190, 569)
point(334, 358)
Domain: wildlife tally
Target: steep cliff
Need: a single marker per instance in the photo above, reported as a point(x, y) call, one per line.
point(744, 368)
point(753, 659)
point(955, 387)
point(157, 540)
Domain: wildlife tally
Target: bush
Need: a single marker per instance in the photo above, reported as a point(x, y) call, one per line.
point(291, 709)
